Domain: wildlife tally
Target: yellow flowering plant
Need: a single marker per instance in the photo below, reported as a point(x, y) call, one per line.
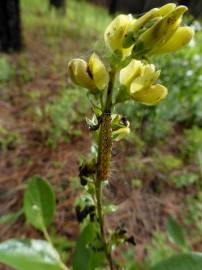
point(126, 74)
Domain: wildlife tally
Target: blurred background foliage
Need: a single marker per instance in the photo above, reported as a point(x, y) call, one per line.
point(37, 97)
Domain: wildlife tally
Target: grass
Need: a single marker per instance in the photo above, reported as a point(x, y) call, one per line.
point(80, 17)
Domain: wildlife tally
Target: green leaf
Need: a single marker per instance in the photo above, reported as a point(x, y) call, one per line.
point(29, 254)
point(175, 233)
point(39, 203)
point(189, 261)
point(85, 257)
point(11, 217)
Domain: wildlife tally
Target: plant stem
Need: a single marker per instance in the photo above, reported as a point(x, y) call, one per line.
point(101, 223)
point(104, 159)
point(60, 262)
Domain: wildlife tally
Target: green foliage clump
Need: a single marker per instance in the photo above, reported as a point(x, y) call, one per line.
point(7, 71)
point(192, 141)
point(184, 178)
point(60, 115)
point(8, 139)
point(194, 213)
point(159, 249)
point(166, 162)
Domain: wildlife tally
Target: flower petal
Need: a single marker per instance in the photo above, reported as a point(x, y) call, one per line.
point(151, 96)
point(147, 78)
point(165, 9)
point(165, 28)
point(115, 31)
point(130, 72)
point(120, 133)
point(179, 39)
point(150, 75)
point(135, 25)
point(98, 71)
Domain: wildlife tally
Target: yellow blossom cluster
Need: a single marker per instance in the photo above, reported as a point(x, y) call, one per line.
point(157, 31)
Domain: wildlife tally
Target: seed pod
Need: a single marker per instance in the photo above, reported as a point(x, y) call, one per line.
point(124, 121)
point(87, 168)
point(83, 180)
point(131, 240)
point(92, 217)
point(80, 214)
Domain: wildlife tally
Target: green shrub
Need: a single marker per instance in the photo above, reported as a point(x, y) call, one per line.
point(8, 139)
point(166, 162)
point(159, 249)
point(7, 71)
point(184, 178)
point(192, 141)
point(194, 214)
point(60, 115)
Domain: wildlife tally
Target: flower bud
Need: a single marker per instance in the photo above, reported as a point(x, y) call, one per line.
point(132, 36)
point(78, 71)
point(146, 35)
point(159, 34)
point(140, 82)
point(136, 26)
point(115, 32)
point(92, 75)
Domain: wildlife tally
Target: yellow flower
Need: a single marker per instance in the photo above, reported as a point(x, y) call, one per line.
point(78, 71)
point(115, 32)
point(140, 25)
point(157, 31)
point(139, 79)
point(92, 74)
point(120, 133)
point(179, 39)
point(165, 34)
point(165, 9)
